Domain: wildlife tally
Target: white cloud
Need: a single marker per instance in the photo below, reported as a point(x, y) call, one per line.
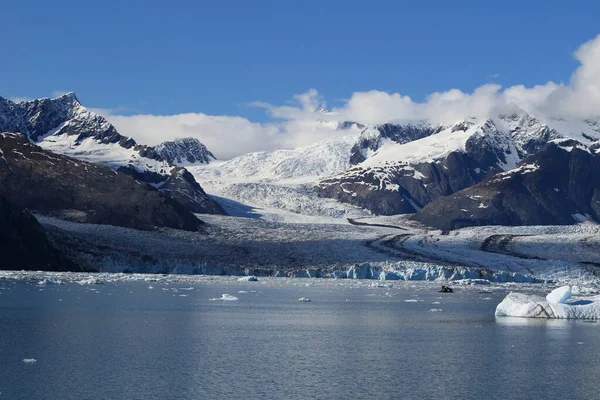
point(301, 121)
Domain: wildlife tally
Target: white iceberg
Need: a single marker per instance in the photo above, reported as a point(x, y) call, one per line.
point(304, 300)
point(559, 295)
point(225, 297)
point(29, 360)
point(250, 278)
point(554, 305)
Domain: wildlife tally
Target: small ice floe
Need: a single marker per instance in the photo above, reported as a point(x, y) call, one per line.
point(554, 305)
point(304, 300)
point(225, 297)
point(250, 278)
point(29, 360)
point(150, 287)
point(243, 291)
point(411, 301)
point(435, 310)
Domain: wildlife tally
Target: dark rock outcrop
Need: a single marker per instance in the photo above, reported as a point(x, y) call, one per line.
point(39, 180)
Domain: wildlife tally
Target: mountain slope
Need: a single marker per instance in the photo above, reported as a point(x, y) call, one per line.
point(62, 125)
point(558, 185)
point(50, 183)
point(24, 245)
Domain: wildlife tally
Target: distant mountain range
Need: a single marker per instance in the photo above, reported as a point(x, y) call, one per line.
point(421, 168)
point(402, 168)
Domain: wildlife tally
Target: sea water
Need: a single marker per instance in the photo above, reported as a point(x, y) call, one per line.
point(186, 340)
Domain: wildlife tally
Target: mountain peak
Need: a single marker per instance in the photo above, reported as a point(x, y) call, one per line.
point(186, 151)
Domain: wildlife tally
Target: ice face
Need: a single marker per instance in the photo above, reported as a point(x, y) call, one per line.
point(559, 295)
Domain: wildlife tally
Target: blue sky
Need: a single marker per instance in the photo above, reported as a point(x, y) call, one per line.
point(162, 58)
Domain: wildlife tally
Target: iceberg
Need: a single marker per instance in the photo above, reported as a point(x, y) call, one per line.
point(304, 300)
point(250, 278)
point(557, 304)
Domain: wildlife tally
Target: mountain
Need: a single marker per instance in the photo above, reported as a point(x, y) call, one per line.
point(300, 165)
point(24, 244)
point(406, 167)
point(184, 151)
point(62, 125)
point(558, 185)
point(40, 180)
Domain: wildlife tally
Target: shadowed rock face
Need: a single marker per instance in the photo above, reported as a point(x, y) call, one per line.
point(33, 178)
point(559, 185)
point(24, 245)
point(404, 188)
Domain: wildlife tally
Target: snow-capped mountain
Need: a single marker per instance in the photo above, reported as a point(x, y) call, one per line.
point(558, 185)
point(400, 175)
point(185, 151)
point(62, 125)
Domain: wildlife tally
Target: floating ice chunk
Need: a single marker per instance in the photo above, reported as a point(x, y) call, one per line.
point(532, 306)
point(304, 300)
point(435, 310)
point(250, 278)
point(411, 301)
point(559, 295)
point(243, 291)
point(150, 287)
point(225, 297)
point(29, 360)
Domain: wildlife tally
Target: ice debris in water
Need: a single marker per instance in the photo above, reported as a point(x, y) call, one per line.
point(554, 305)
point(304, 300)
point(29, 360)
point(89, 281)
point(472, 282)
point(250, 278)
point(225, 297)
point(435, 310)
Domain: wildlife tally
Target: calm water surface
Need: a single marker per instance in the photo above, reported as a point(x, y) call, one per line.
point(125, 341)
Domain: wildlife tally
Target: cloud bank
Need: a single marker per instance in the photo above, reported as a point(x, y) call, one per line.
point(303, 122)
